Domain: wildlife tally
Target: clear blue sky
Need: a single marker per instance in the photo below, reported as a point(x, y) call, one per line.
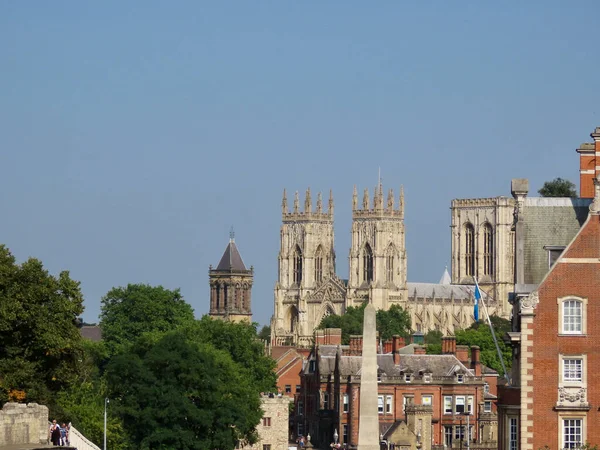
point(134, 134)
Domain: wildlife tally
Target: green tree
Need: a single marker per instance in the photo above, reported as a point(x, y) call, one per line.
point(181, 392)
point(558, 188)
point(433, 342)
point(241, 342)
point(40, 343)
point(390, 322)
point(479, 334)
point(265, 333)
point(128, 312)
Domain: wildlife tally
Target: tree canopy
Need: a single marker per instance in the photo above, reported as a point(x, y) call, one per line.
point(193, 388)
point(558, 187)
point(128, 312)
point(390, 322)
point(40, 343)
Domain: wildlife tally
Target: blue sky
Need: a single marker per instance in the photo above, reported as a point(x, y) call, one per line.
point(133, 135)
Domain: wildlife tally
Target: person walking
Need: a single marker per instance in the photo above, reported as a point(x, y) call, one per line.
point(55, 433)
point(64, 435)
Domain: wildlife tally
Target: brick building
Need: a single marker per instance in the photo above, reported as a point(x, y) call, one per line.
point(421, 397)
point(552, 401)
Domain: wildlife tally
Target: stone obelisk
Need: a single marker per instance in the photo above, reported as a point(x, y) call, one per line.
point(368, 427)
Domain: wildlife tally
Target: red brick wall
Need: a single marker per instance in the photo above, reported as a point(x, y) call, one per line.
point(581, 280)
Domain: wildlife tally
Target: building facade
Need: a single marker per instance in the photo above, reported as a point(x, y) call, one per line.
point(555, 342)
point(308, 289)
point(231, 286)
point(429, 400)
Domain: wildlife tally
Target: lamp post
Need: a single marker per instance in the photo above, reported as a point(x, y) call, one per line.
point(105, 408)
point(468, 414)
point(336, 436)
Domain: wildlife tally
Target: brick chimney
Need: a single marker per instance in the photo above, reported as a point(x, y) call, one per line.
point(356, 345)
point(397, 344)
point(449, 345)
point(475, 363)
point(420, 350)
point(587, 165)
point(462, 353)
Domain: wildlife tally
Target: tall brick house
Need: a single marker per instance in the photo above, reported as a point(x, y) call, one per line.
point(422, 399)
point(556, 351)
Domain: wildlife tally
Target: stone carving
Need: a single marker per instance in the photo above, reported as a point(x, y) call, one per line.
point(572, 395)
point(531, 301)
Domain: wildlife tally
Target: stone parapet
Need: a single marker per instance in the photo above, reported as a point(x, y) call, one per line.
point(23, 424)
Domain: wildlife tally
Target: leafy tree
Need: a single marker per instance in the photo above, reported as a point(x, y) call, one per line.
point(558, 188)
point(265, 333)
point(40, 343)
point(128, 312)
point(433, 342)
point(390, 322)
point(479, 334)
point(241, 342)
point(181, 392)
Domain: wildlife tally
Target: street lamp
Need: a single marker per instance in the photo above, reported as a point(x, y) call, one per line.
point(106, 401)
point(468, 414)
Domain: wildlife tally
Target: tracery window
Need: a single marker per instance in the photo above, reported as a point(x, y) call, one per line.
point(488, 249)
point(297, 265)
point(367, 264)
point(319, 265)
point(469, 250)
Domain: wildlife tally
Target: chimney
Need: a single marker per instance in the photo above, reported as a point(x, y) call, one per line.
point(356, 345)
point(332, 336)
point(319, 337)
point(462, 353)
point(587, 165)
point(397, 344)
point(388, 346)
point(449, 345)
point(420, 350)
point(475, 364)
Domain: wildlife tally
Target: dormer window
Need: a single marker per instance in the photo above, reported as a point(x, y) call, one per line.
point(460, 378)
point(427, 378)
point(407, 377)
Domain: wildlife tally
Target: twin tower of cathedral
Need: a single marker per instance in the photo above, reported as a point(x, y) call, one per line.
point(307, 288)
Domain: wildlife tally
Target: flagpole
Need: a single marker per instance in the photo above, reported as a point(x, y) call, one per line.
point(493, 333)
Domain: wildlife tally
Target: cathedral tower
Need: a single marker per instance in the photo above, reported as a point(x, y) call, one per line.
point(307, 288)
point(231, 286)
point(377, 252)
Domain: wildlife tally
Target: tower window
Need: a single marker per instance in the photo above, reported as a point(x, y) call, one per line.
point(389, 273)
point(319, 265)
point(368, 264)
point(488, 249)
point(469, 250)
point(298, 265)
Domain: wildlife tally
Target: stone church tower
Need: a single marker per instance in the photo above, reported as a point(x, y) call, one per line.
point(307, 288)
point(231, 286)
point(378, 252)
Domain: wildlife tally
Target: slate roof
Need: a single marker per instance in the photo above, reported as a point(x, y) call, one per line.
point(231, 259)
point(437, 365)
point(427, 290)
point(91, 332)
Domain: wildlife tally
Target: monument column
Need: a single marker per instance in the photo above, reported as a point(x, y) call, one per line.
point(368, 426)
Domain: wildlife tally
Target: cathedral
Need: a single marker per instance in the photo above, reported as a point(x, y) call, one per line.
point(308, 288)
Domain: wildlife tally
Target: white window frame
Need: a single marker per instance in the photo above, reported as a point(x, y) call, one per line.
point(572, 370)
point(470, 404)
point(380, 404)
point(460, 378)
point(448, 404)
point(562, 302)
point(573, 421)
point(463, 400)
point(427, 400)
point(389, 404)
point(346, 403)
point(561, 370)
point(512, 433)
point(487, 406)
point(427, 377)
point(407, 377)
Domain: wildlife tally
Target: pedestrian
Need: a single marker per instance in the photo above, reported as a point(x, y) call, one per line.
point(55, 433)
point(64, 435)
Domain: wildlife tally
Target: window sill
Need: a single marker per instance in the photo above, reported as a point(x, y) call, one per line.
point(572, 335)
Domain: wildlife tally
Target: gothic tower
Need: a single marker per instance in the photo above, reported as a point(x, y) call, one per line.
point(307, 288)
point(377, 252)
point(231, 286)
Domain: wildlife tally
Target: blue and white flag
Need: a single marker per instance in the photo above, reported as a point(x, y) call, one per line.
point(477, 298)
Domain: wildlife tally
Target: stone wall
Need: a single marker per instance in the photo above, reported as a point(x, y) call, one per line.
point(273, 427)
point(23, 424)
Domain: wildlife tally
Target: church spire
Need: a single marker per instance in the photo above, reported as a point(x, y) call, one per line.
point(366, 200)
point(296, 202)
point(319, 203)
point(308, 202)
point(401, 202)
point(284, 203)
